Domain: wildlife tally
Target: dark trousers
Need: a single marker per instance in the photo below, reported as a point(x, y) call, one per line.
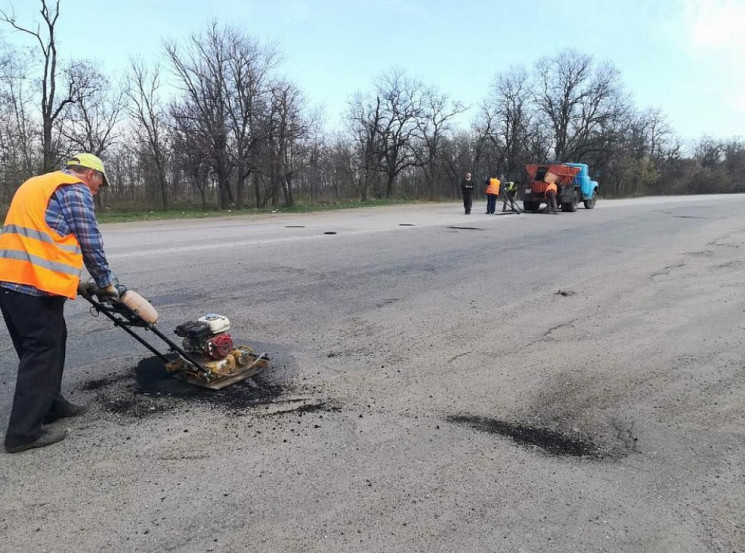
point(491, 203)
point(37, 328)
point(511, 199)
point(551, 196)
point(467, 200)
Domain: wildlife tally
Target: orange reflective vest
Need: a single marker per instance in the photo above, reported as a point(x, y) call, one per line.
point(551, 187)
point(32, 253)
point(493, 186)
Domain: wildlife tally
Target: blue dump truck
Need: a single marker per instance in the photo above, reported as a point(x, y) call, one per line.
point(573, 182)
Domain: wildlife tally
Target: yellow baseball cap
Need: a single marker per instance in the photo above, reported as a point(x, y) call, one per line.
point(91, 162)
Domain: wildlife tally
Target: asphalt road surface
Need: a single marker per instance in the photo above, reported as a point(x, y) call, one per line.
point(439, 382)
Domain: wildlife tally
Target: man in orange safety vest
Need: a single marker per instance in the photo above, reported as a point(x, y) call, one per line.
point(551, 191)
point(50, 233)
point(492, 193)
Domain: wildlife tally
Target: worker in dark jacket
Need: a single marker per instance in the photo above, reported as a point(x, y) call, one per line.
point(466, 187)
point(49, 233)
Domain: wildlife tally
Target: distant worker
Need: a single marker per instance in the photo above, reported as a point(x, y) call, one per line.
point(551, 191)
point(50, 232)
point(466, 187)
point(492, 193)
point(509, 194)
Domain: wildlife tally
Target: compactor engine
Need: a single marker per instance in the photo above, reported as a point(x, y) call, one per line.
point(211, 356)
point(207, 336)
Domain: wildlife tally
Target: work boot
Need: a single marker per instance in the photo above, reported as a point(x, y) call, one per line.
point(48, 437)
point(69, 410)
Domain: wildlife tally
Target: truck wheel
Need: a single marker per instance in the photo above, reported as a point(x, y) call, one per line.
point(571, 206)
point(531, 207)
point(589, 204)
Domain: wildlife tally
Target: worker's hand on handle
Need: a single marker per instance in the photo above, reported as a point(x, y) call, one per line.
point(110, 292)
point(87, 289)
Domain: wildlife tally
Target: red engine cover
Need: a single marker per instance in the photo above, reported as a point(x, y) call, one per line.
point(219, 346)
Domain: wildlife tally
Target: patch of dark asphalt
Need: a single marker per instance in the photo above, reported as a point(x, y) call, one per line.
point(405, 224)
point(465, 228)
point(550, 441)
point(98, 383)
point(149, 389)
point(565, 293)
point(294, 226)
point(329, 232)
point(304, 408)
point(689, 217)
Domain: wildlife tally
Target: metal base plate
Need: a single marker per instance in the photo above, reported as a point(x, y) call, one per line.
point(221, 382)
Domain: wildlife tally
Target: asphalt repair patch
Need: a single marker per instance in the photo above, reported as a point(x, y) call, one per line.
point(153, 390)
point(549, 441)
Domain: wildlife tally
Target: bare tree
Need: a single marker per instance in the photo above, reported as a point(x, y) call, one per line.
point(709, 152)
point(457, 156)
point(90, 122)
point(655, 133)
point(147, 110)
point(509, 110)
point(249, 100)
point(202, 70)
point(579, 102)
point(17, 128)
point(403, 111)
point(434, 123)
point(51, 107)
point(368, 129)
point(189, 157)
point(561, 81)
point(289, 131)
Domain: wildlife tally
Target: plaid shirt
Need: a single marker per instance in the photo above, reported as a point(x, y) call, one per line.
point(70, 210)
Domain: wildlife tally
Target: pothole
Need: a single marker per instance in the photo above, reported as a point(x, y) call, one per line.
point(549, 441)
point(464, 228)
point(565, 293)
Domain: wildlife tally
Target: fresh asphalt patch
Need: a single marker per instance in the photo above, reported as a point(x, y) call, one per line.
point(549, 441)
point(148, 389)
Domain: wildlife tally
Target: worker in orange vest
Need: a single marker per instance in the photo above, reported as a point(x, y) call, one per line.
point(50, 232)
point(551, 191)
point(492, 193)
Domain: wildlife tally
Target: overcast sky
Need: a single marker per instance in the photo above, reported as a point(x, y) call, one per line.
point(684, 56)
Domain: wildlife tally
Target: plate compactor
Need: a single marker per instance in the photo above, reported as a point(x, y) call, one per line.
point(207, 356)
